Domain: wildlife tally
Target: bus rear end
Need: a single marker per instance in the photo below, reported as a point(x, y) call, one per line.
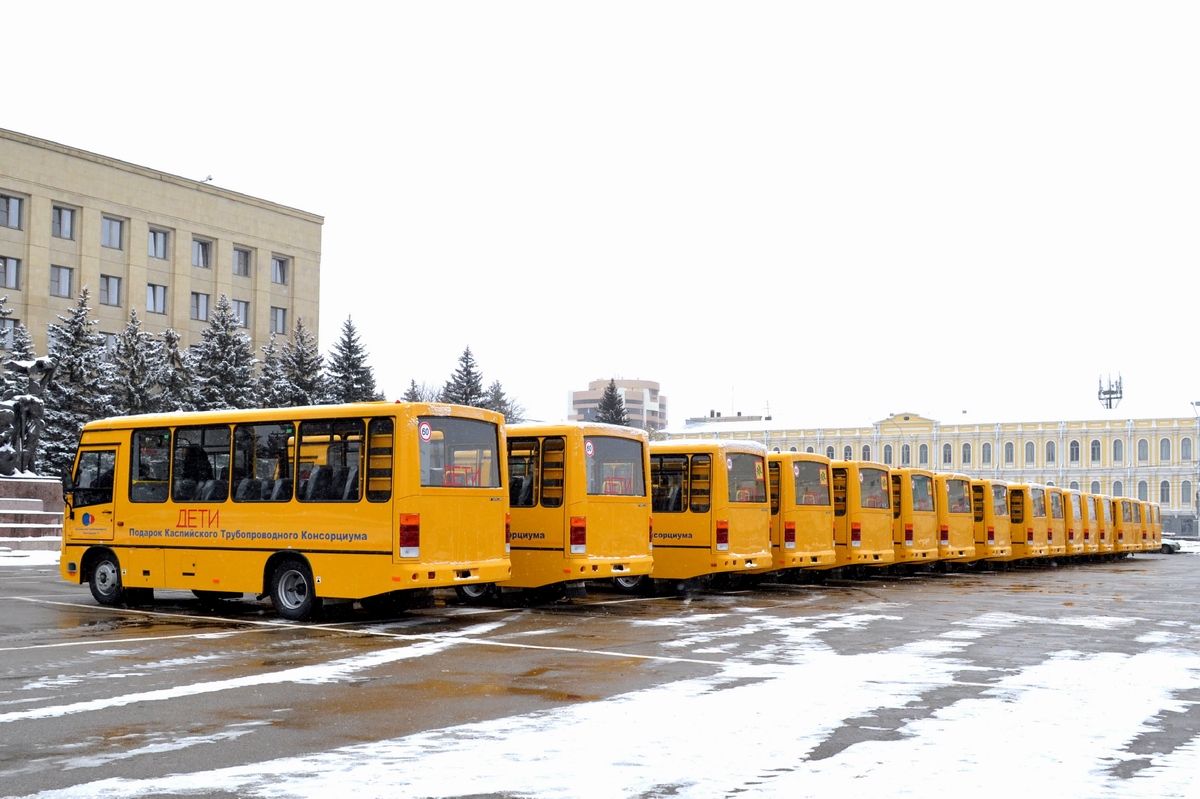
point(862, 514)
point(1056, 522)
point(1027, 511)
point(801, 510)
point(914, 516)
point(1079, 527)
point(989, 502)
point(956, 519)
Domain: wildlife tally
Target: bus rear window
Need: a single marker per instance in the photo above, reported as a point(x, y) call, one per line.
point(615, 466)
point(746, 477)
point(874, 485)
point(1000, 500)
point(922, 492)
point(1037, 499)
point(958, 496)
point(812, 483)
point(463, 453)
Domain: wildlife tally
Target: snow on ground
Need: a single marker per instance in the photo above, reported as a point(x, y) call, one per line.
point(1056, 727)
point(28, 557)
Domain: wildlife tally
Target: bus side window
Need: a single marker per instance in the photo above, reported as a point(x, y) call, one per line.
point(200, 467)
point(552, 472)
point(149, 465)
point(701, 483)
point(1017, 506)
point(839, 492)
point(330, 449)
point(896, 496)
point(94, 477)
point(977, 502)
point(262, 462)
point(773, 477)
point(669, 477)
point(522, 471)
point(379, 460)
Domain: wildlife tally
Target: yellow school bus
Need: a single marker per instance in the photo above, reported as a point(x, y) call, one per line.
point(1027, 510)
point(402, 496)
point(1079, 527)
point(956, 517)
point(989, 503)
point(1141, 522)
point(1102, 522)
point(801, 510)
point(1056, 522)
point(711, 511)
point(1155, 527)
point(914, 516)
point(1124, 538)
point(578, 505)
point(862, 515)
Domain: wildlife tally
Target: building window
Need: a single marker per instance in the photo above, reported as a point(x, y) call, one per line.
point(1095, 450)
point(1164, 492)
point(1073, 452)
point(110, 345)
point(279, 270)
point(60, 281)
point(829, 453)
point(887, 454)
point(1143, 490)
point(1051, 452)
point(201, 253)
point(1185, 450)
point(110, 290)
point(10, 211)
point(199, 309)
point(279, 325)
point(923, 455)
point(966, 454)
point(810, 450)
point(62, 225)
point(112, 232)
point(866, 452)
point(847, 453)
point(985, 454)
point(1030, 453)
point(156, 298)
point(1164, 451)
point(1185, 493)
point(1095, 487)
point(947, 454)
point(241, 310)
point(905, 454)
point(1143, 450)
point(1118, 450)
point(241, 262)
point(10, 273)
point(1009, 453)
point(158, 244)
point(8, 327)
point(1118, 488)
point(1074, 485)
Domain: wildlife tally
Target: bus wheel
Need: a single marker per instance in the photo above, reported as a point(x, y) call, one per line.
point(105, 581)
point(292, 590)
point(632, 584)
point(476, 593)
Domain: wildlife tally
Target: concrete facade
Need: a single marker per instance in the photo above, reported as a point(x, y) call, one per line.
point(140, 239)
point(647, 408)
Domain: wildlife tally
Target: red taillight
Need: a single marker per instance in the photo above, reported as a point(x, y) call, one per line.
point(507, 533)
point(789, 535)
point(722, 534)
point(855, 534)
point(991, 535)
point(578, 535)
point(410, 535)
point(651, 526)
point(1030, 529)
point(1050, 536)
point(945, 535)
point(908, 535)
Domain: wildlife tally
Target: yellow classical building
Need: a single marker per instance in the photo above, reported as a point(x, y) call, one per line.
point(165, 246)
point(1152, 459)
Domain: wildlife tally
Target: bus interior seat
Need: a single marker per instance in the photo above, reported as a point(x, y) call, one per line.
point(674, 500)
point(350, 492)
point(281, 491)
point(526, 497)
point(184, 490)
point(319, 481)
point(249, 490)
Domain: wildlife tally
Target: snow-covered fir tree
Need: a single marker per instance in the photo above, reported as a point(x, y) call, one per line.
point(15, 382)
point(498, 401)
point(350, 378)
point(612, 406)
point(465, 386)
point(304, 366)
point(421, 393)
point(275, 390)
point(137, 359)
point(225, 362)
point(81, 389)
point(176, 378)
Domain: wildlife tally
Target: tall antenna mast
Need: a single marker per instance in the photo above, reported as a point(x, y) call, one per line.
point(1110, 397)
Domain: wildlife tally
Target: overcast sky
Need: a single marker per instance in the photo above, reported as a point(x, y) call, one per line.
point(837, 210)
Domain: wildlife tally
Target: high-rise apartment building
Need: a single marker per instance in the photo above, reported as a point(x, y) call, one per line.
point(647, 408)
point(165, 246)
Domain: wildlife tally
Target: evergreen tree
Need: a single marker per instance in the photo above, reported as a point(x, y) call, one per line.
point(303, 367)
point(176, 377)
point(465, 386)
point(275, 390)
point(225, 362)
point(501, 403)
point(612, 406)
point(14, 382)
point(81, 389)
point(350, 378)
point(136, 360)
point(421, 393)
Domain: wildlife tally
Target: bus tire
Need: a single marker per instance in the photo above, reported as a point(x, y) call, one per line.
point(105, 580)
point(476, 593)
point(293, 590)
point(635, 584)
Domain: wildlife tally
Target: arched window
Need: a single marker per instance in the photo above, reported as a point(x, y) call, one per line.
point(906, 455)
point(1030, 453)
point(791, 449)
point(1118, 450)
point(887, 454)
point(1118, 488)
point(1095, 487)
point(1143, 450)
point(966, 455)
point(1143, 490)
point(1164, 492)
point(1185, 450)
point(1074, 485)
point(810, 449)
point(1009, 452)
point(1164, 451)
point(829, 452)
point(923, 455)
point(1185, 493)
point(776, 449)
point(1073, 452)
point(985, 454)
point(866, 452)
point(847, 453)
point(1051, 452)
point(1095, 450)
point(947, 454)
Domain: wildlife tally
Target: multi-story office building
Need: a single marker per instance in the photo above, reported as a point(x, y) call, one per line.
point(1151, 459)
point(162, 245)
point(646, 407)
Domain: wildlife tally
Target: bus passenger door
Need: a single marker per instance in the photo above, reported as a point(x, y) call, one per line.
point(91, 515)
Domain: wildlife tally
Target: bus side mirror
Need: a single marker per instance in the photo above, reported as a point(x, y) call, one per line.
point(68, 484)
